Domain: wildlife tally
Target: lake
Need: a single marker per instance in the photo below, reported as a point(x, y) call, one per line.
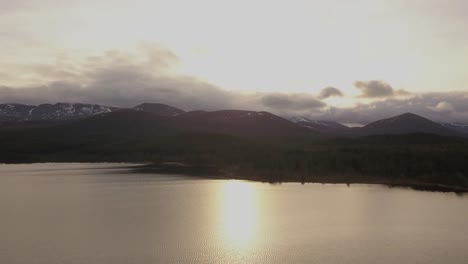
point(107, 213)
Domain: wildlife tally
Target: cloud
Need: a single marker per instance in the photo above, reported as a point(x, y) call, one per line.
point(291, 101)
point(329, 92)
point(378, 89)
point(119, 79)
point(440, 107)
point(374, 89)
point(126, 79)
point(402, 93)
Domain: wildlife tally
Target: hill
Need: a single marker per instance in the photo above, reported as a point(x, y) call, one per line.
point(51, 112)
point(249, 124)
point(407, 123)
point(321, 126)
point(159, 109)
point(242, 144)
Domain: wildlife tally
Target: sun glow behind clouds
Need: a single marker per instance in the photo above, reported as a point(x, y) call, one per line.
point(286, 46)
point(239, 214)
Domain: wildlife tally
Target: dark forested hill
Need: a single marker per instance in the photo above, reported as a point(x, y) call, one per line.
point(159, 109)
point(249, 145)
point(250, 124)
point(405, 124)
point(156, 125)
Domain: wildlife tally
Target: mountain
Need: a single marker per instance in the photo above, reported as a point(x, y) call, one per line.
point(246, 124)
point(142, 127)
point(12, 112)
point(71, 111)
point(240, 123)
point(159, 109)
point(244, 144)
point(321, 126)
point(460, 128)
point(228, 122)
point(407, 123)
point(50, 112)
point(129, 134)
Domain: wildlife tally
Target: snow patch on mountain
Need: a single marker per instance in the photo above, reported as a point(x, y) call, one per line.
point(59, 111)
point(319, 125)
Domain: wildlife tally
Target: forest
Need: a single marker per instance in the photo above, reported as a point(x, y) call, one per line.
point(409, 160)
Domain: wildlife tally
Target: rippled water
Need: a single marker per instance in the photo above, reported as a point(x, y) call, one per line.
point(104, 213)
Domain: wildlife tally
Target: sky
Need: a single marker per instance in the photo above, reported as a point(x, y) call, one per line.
point(348, 61)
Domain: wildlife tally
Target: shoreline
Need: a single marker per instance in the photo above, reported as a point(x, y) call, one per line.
point(213, 172)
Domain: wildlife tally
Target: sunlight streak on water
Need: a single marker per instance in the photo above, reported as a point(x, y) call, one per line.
point(238, 214)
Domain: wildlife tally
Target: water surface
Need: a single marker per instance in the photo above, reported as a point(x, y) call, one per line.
point(104, 213)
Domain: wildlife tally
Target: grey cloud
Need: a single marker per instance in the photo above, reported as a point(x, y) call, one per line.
point(329, 92)
point(440, 107)
point(120, 79)
point(127, 79)
point(374, 89)
point(291, 102)
point(124, 79)
point(402, 93)
point(379, 89)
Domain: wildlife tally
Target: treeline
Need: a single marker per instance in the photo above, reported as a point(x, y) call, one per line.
point(411, 159)
point(441, 164)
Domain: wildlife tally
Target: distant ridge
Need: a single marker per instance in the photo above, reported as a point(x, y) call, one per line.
point(241, 122)
point(461, 128)
point(73, 111)
point(159, 109)
point(407, 123)
point(228, 120)
point(51, 112)
point(323, 126)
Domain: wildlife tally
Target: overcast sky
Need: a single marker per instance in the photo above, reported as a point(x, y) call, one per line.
point(350, 61)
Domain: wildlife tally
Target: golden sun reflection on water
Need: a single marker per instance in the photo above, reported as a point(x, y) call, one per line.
point(238, 212)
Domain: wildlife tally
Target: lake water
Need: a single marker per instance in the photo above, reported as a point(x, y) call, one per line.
point(104, 213)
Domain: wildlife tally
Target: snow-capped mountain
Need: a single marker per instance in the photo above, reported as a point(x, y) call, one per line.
point(50, 112)
point(461, 128)
point(260, 122)
point(319, 125)
point(72, 111)
point(407, 123)
point(159, 109)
